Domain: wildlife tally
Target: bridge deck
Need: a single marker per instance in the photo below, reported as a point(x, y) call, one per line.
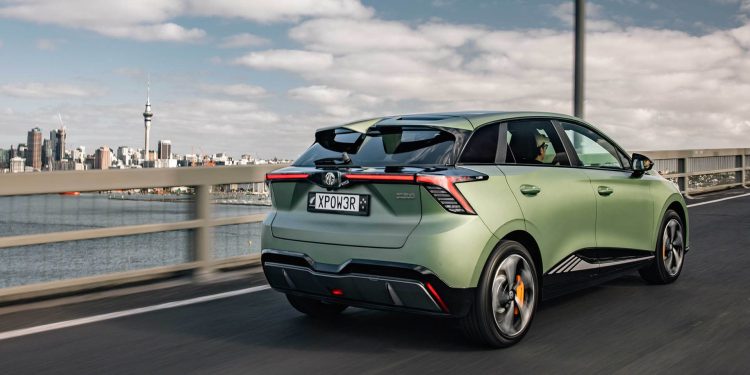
point(701, 324)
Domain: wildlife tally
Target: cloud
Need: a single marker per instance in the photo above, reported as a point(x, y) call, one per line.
point(163, 32)
point(243, 40)
point(144, 20)
point(35, 90)
point(237, 90)
point(279, 10)
point(284, 59)
point(649, 88)
point(336, 102)
point(153, 20)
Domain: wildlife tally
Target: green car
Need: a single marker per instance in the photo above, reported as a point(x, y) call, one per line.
point(472, 215)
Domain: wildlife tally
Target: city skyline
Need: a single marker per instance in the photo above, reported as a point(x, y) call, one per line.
point(46, 154)
point(241, 77)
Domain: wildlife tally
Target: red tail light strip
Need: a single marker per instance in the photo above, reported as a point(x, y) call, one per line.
point(379, 177)
point(436, 296)
point(286, 176)
point(448, 183)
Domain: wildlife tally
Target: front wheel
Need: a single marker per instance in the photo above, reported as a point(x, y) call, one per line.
point(315, 308)
point(506, 298)
point(670, 252)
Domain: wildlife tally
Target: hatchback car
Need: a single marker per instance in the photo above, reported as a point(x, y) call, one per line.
point(474, 215)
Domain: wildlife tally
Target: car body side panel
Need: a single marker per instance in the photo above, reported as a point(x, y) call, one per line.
point(625, 218)
point(495, 205)
point(562, 216)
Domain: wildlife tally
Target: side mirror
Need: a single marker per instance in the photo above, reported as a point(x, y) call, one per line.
point(641, 164)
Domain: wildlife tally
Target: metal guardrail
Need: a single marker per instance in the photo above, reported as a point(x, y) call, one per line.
point(704, 170)
point(201, 179)
point(694, 171)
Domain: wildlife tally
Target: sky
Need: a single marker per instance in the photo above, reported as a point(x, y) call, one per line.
point(258, 77)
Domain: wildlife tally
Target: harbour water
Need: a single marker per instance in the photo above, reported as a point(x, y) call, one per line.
point(51, 213)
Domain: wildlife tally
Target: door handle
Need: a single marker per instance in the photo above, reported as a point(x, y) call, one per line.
point(530, 190)
point(604, 190)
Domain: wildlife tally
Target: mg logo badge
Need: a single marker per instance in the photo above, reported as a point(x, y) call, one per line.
point(330, 179)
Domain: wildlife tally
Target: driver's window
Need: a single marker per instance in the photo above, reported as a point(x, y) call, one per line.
point(591, 148)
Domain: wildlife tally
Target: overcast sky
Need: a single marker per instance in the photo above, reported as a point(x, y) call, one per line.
point(259, 76)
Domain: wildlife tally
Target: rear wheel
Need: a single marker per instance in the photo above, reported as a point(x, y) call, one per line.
point(314, 307)
point(506, 297)
point(670, 252)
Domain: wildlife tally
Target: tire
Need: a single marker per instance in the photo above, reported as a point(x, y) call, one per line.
point(669, 254)
point(315, 308)
point(496, 318)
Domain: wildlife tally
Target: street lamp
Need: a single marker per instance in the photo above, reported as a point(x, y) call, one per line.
point(580, 28)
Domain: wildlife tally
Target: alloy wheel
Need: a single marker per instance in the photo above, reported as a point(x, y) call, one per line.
point(672, 247)
point(513, 295)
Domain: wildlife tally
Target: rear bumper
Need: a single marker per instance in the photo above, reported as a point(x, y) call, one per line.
point(365, 283)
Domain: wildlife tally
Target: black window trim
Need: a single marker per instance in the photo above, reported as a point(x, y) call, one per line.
point(503, 140)
point(567, 145)
point(573, 155)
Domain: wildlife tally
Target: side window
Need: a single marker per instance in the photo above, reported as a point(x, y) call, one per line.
point(592, 149)
point(535, 142)
point(482, 146)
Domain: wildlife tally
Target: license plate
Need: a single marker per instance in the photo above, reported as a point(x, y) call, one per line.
point(345, 204)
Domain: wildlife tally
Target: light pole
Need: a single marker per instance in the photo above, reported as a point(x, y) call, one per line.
point(580, 29)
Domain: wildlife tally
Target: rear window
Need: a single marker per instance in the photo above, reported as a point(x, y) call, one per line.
point(387, 146)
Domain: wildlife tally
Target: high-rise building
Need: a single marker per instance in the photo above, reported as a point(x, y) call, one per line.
point(57, 142)
point(165, 149)
point(147, 114)
point(34, 145)
point(4, 159)
point(102, 158)
point(48, 157)
point(13, 152)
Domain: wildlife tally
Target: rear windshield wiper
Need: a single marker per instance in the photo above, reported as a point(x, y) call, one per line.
point(344, 159)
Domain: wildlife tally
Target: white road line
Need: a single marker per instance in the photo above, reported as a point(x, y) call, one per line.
point(719, 200)
point(124, 313)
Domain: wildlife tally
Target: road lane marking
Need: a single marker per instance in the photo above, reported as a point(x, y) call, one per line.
point(124, 313)
point(718, 200)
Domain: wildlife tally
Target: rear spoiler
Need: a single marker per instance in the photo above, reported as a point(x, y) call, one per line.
point(326, 137)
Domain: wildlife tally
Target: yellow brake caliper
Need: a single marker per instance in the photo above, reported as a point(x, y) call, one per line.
point(519, 293)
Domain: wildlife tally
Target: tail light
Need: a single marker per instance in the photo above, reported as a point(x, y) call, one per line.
point(286, 176)
point(379, 177)
point(443, 189)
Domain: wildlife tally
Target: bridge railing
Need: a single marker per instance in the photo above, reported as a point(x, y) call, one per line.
point(119, 232)
point(703, 170)
point(33, 231)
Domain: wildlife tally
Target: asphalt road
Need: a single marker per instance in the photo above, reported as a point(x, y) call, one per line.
point(700, 324)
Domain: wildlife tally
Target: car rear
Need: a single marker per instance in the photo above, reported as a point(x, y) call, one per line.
point(372, 215)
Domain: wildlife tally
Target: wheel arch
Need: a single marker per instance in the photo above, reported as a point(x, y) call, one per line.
point(528, 241)
point(677, 204)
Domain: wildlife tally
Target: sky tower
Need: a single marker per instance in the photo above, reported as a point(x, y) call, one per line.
point(147, 114)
